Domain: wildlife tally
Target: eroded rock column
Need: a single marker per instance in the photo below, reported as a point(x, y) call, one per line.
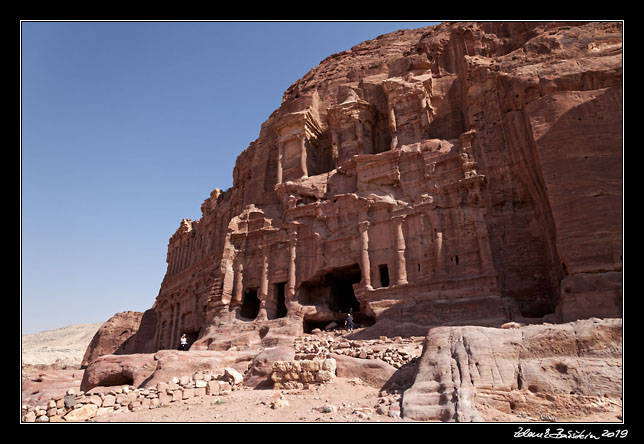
point(439, 246)
point(365, 265)
point(239, 284)
point(305, 172)
point(399, 239)
point(280, 161)
point(263, 286)
point(392, 127)
point(292, 251)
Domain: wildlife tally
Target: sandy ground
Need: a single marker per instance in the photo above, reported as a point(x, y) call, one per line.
point(346, 400)
point(62, 346)
point(343, 401)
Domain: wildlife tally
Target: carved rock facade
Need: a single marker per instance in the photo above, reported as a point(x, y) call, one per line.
point(467, 173)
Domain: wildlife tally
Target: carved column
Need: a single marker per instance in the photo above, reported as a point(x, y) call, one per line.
point(485, 252)
point(399, 239)
point(280, 161)
point(239, 283)
point(365, 265)
point(439, 247)
point(359, 136)
point(292, 248)
point(175, 326)
point(305, 171)
point(392, 127)
point(263, 286)
point(335, 152)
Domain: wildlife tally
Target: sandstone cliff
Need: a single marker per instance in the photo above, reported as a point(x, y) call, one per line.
point(462, 174)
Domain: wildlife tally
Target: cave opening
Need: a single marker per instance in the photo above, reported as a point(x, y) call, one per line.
point(343, 299)
point(334, 291)
point(250, 304)
point(116, 379)
point(191, 336)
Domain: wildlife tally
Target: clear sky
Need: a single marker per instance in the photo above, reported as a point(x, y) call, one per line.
point(126, 128)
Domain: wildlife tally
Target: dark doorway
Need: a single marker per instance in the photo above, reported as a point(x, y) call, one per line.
point(334, 289)
point(384, 275)
point(280, 309)
point(191, 336)
point(250, 305)
point(341, 281)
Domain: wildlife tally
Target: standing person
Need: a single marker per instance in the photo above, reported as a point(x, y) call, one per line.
point(349, 322)
point(184, 342)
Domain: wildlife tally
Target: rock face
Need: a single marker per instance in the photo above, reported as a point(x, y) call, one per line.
point(111, 370)
point(554, 369)
point(115, 336)
point(467, 173)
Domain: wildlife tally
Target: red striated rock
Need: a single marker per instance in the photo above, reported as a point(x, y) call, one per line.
point(49, 384)
point(553, 368)
point(114, 337)
point(466, 173)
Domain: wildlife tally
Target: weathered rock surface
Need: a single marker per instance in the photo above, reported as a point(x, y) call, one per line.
point(114, 337)
point(111, 370)
point(549, 369)
point(371, 371)
point(48, 384)
point(462, 174)
point(261, 368)
point(148, 369)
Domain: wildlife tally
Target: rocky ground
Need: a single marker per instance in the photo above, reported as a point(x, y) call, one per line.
point(355, 395)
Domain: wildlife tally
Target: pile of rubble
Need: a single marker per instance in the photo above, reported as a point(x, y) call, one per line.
point(99, 401)
point(300, 374)
point(396, 351)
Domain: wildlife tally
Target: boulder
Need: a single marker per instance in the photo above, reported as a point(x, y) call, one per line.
point(233, 376)
point(113, 337)
point(83, 413)
point(373, 372)
point(112, 370)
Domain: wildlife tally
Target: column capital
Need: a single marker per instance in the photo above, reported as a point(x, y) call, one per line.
point(364, 225)
point(398, 218)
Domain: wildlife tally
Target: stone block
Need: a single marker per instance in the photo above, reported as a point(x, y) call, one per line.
point(95, 399)
point(164, 398)
point(82, 413)
point(109, 401)
point(212, 388)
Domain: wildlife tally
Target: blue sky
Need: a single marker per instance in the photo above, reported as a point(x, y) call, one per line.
point(126, 128)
